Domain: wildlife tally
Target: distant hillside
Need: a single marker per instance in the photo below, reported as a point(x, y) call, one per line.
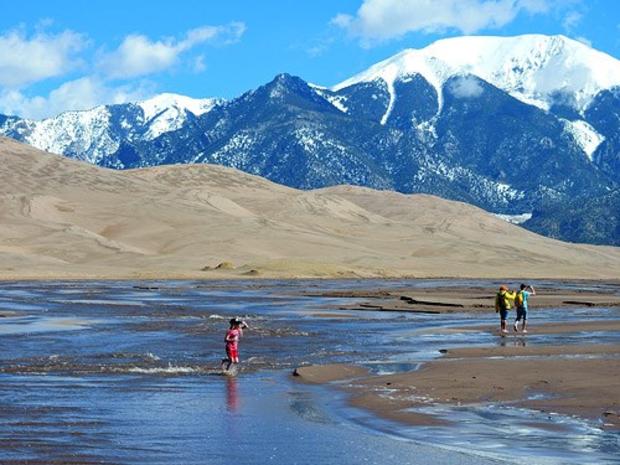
point(594, 220)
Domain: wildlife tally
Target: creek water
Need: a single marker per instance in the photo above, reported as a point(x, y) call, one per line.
point(128, 372)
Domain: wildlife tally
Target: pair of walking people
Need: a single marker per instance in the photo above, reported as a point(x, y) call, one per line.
point(504, 300)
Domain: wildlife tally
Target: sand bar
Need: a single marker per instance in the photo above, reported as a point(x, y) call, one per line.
point(580, 380)
point(469, 299)
point(319, 374)
point(533, 351)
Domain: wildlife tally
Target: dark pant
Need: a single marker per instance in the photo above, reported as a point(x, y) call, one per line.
point(503, 314)
point(521, 313)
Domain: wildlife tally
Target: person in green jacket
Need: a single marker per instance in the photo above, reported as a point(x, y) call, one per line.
point(503, 302)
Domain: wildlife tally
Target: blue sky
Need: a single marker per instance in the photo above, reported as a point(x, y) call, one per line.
point(59, 55)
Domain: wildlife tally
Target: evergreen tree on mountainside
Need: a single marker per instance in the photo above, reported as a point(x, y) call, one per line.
point(593, 220)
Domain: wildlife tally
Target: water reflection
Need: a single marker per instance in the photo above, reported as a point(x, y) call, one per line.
point(513, 341)
point(520, 342)
point(232, 394)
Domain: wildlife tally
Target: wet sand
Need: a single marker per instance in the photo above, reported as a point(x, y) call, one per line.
point(532, 351)
point(553, 328)
point(576, 380)
point(465, 299)
point(392, 409)
point(318, 374)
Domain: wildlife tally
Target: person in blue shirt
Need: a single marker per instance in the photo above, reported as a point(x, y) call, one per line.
point(521, 304)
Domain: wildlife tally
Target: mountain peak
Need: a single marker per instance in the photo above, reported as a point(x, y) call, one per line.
point(287, 80)
point(285, 85)
point(533, 68)
point(161, 102)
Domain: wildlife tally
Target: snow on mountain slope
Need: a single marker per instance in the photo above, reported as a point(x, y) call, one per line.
point(585, 135)
point(162, 102)
point(166, 112)
point(514, 219)
point(338, 101)
point(536, 69)
point(84, 133)
point(91, 135)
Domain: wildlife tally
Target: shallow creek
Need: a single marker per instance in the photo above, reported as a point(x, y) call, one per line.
point(127, 372)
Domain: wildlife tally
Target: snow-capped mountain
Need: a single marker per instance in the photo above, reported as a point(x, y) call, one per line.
point(508, 124)
point(168, 112)
point(540, 70)
point(554, 73)
point(92, 135)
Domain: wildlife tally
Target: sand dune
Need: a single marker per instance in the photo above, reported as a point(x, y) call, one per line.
point(62, 218)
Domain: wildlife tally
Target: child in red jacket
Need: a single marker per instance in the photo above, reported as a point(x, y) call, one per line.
point(234, 333)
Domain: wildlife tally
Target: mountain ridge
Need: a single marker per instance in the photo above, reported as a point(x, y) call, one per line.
point(467, 139)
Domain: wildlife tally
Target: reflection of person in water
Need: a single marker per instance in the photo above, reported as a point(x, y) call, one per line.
point(232, 398)
point(516, 342)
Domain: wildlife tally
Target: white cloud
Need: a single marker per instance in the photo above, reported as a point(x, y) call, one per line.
point(25, 60)
point(79, 94)
point(378, 20)
point(199, 64)
point(319, 46)
point(138, 55)
point(28, 59)
point(571, 20)
point(466, 87)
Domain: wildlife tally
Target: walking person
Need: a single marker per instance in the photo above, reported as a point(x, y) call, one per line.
point(521, 304)
point(234, 333)
point(503, 302)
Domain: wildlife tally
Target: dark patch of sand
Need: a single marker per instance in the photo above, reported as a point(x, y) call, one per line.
point(465, 299)
point(319, 374)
